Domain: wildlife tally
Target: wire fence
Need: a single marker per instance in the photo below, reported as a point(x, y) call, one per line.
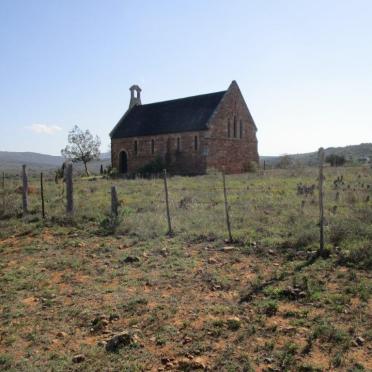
point(204, 206)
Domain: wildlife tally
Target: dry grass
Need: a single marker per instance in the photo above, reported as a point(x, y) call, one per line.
point(68, 286)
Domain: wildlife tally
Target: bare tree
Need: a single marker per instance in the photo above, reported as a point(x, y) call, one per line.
point(82, 147)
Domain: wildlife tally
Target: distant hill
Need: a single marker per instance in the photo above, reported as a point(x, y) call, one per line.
point(11, 162)
point(352, 153)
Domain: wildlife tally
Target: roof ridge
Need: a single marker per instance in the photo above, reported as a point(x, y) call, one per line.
point(179, 99)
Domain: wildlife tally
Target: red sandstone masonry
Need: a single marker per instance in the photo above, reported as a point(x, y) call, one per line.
point(215, 150)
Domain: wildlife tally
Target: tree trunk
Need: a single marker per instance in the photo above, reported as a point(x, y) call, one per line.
point(86, 168)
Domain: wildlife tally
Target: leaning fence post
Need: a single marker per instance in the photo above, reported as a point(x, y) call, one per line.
point(69, 190)
point(170, 231)
point(42, 195)
point(24, 190)
point(114, 202)
point(321, 206)
point(226, 208)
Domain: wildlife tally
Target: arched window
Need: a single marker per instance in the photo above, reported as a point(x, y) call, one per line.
point(235, 128)
point(241, 129)
point(135, 147)
point(178, 144)
point(228, 129)
point(195, 143)
point(123, 162)
point(152, 146)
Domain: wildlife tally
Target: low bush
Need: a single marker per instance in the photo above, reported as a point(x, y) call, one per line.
point(359, 256)
point(154, 167)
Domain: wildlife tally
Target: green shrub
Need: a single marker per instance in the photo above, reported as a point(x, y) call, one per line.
point(155, 166)
point(251, 167)
point(5, 362)
point(335, 160)
point(109, 224)
point(359, 256)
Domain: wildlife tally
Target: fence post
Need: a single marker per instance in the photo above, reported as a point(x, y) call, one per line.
point(321, 206)
point(24, 190)
point(69, 190)
point(170, 231)
point(226, 208)
point(3, 188)
point(114, 202)
point(42, 196)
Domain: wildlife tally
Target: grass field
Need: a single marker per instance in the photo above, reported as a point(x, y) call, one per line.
point(192, 300)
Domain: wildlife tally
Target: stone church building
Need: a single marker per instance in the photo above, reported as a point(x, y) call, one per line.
point(191, 135)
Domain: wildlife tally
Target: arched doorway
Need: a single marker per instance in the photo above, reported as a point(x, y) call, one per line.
point(123, 162)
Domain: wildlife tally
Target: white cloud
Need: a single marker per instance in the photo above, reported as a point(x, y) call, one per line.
point(45, 129)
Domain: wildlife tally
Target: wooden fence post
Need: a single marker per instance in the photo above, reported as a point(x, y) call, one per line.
point(170, 231)
point(226, 208)
point(42, 196)
point(24, 190)
point(321, 205)
point(114, 202)
point(3, 188)
point(69, 190)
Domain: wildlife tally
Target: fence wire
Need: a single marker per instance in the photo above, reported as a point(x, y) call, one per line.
point(195, 205)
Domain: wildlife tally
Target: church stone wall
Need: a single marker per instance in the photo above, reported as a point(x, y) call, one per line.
point(216, 149)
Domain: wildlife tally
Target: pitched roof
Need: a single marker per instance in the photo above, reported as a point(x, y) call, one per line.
point(178, 115)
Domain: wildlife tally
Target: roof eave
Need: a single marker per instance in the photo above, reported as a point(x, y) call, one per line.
point(117, 124)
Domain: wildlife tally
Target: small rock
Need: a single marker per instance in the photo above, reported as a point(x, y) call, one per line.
point(164, 252)
point(287, 330)
point(360, 341)
point(61, 334)
point(166, 360)
point(228, 249)
point(186, 340)
point(78, 358)
point(271, 251)
point(118, 341)
point(186, 364)
point(212, 260)
point(130, 259)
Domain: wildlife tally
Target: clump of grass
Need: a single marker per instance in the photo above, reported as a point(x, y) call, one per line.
point(233, 324)
point(359, 255)
point(135, 305)
point(5, 361)
point(270, 307)
point(286, 356)
point(326, 332)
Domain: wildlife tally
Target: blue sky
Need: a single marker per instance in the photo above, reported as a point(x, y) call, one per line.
point(304, 67)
